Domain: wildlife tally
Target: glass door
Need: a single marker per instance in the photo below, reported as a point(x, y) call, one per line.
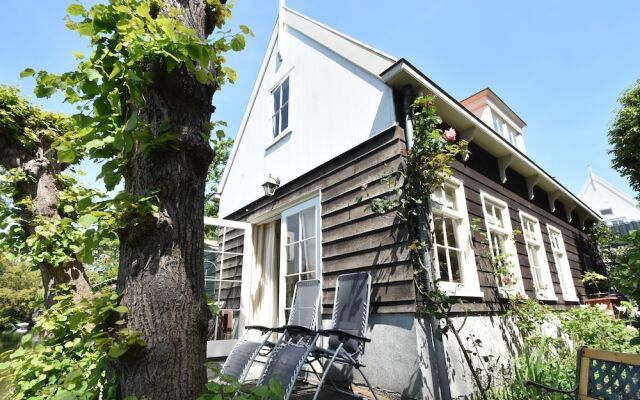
point(300, 257)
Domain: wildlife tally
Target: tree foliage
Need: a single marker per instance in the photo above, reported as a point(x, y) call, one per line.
point(624, 136)
point(20, 293)
point(68, 354)
point(221, 149)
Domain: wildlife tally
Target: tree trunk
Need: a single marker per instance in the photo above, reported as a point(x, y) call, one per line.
point(41, 165)
point(161, 271)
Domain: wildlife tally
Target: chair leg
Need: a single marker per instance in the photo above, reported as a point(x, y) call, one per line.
point(368, 384)
point(326, 371)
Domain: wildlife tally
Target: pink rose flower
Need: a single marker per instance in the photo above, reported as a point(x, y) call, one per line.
point(521, 296)
point(449, 135)
point(506, 280)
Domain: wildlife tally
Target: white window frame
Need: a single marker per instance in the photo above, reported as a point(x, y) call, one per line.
point(222, 348)
point(314, 202)
point(282, 133)
point(506, 232)
point(470, 284)
point(541, 274)
point(504, 129)
point(563, 268)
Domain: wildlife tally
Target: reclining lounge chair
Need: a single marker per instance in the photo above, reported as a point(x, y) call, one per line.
point(346, 339)
point(304, 311)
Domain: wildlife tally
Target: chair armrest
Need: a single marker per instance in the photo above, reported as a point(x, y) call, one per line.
point(343, 335)
point(549, 388)
point(299, 329)
point(260, 328)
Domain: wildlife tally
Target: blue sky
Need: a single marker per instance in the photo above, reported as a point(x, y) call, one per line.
point(561, 65)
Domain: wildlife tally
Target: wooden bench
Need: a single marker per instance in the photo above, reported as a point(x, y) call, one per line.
point(601, 375)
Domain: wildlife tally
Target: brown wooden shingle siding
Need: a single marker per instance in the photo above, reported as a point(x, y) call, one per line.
point(353, 237)
point(480, 174)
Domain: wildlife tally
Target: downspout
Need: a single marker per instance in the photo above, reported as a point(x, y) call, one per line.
point(434, 336)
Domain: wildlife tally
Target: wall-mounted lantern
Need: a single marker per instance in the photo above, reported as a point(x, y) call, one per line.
point(271, 185)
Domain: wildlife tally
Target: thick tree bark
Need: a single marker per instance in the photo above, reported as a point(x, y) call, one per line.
point(41, 165)
point(161, 260)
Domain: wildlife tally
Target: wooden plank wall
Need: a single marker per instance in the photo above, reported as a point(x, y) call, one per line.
point(480, 173)
point(356, 239)
point(353, 237)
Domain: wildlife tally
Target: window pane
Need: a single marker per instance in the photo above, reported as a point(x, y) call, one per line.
point(285, 91)
point(451, 238)
point(308, 223)
point(442, 262)
point(290, 283)
point(285, 118)
point(292, 229)
point(309, 255)
point(276, 100)
point(276, 124)
point(293, 258)
point(450, 198)
point(455, 265)
point(438, 223)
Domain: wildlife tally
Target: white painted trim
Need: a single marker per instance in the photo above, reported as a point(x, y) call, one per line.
point(565, 269)
point(470, 285)
point(249, 108)
point(317, 204)
point(281, 136)
point(548, 294)
point(510, 246)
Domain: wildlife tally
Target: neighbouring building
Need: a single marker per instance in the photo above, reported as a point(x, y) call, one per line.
point(327, 121)
point(616, 208)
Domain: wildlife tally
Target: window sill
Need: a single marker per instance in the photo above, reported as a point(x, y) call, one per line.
point(455, 290)
point(546, 298)
point(571, 299)
point(278, 138)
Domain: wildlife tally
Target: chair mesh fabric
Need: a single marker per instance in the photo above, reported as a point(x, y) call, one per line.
point(284, 364)
point(350, 311)
point(304, 309)
point(303, 313)
point(240, 355)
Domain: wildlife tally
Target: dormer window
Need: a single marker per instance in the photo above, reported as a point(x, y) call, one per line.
point(280, 119)
point(504, 130)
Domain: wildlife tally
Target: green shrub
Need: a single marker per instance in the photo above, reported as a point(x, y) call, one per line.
point(67, 355)
point(594, 327)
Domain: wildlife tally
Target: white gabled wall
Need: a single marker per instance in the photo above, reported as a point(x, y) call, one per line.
point(334, 105)
point(602, 197)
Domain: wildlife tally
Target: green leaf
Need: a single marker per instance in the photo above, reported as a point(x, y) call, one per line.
point(238, 42)
point(27, 72)
point(75, 9)
point(85, 29)
point(87, 220)
point(132, 122)
point(245, 29)
point(116, 350)
point(121, 309)
point(94, 144)
point(115, 71)
point(230, 73)
point(78, 55)
point(92, 74)
point(202, 76)
point(65, 395)
point(66, 154)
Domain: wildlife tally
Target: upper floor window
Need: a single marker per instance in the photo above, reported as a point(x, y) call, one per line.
point(280, 118)
point(452, 251)
point(502, 246)
point(562, 264)
point(537, 257)
point(505, 130)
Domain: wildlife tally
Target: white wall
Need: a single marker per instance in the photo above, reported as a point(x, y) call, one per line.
point(600, 195)
point(334, 106)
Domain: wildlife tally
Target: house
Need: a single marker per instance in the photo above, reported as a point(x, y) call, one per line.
point(616, 208)
point(325, 124)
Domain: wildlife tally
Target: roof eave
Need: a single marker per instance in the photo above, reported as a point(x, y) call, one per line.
point(402, 73)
